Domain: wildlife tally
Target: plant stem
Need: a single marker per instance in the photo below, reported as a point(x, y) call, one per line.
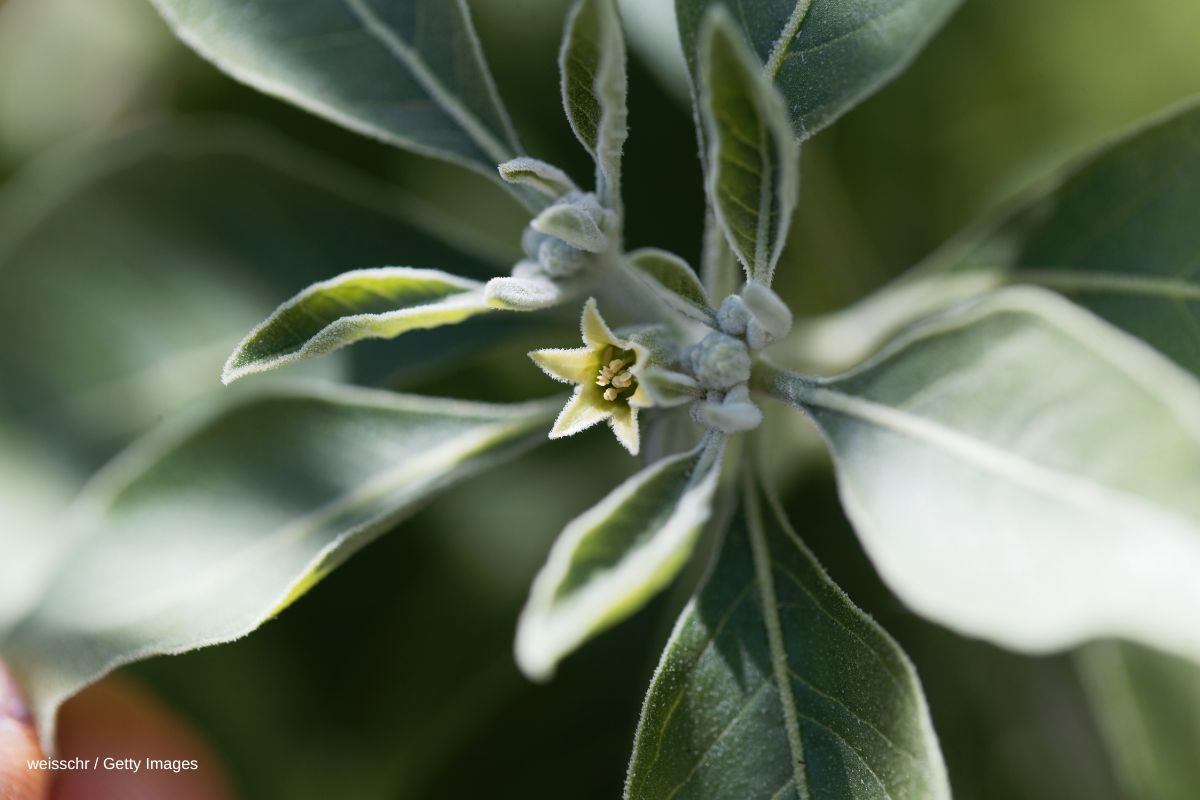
point(784, 385)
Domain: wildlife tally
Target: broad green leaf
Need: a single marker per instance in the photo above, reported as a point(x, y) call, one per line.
point(594, 85)
point(365, 304)
point(774, 686)
point(825, 56)
point(1148, 707)
point(618, 554)
point(673, 280)
point(409, 72)
point(1020, 470)
point(203, 531)
point(752, 160)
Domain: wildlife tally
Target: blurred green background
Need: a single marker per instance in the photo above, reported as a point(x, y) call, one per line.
point(394, 679)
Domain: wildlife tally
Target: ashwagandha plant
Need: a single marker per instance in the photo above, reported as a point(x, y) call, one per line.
point(1015, 425)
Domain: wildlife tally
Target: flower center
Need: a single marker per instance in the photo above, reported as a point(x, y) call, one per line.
point(614, 375)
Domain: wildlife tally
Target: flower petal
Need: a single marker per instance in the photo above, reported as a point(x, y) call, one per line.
point(596, 333)
point(570, 366)
point(641, 398)
point(580, 412)
point(624, 424)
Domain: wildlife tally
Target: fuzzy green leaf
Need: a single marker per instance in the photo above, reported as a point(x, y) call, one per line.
point(618, 554)
point(825, 56)
point(594, 86)
point(573, 225)
point(1020, 470)
point(752, 160)
point(1148, 707)
point(364, 304)
point(673, 280)
point(205, 530)
point(409, 72)
point(774, 686)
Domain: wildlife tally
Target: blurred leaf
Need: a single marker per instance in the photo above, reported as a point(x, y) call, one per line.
point(753, 164)
point(35, 487)
point(46, 45)
point(1118, 236)
point(1020, 470)
point(204, 530)
point(594, 86)
point(364, 304)
point(409, 72)
point(774, 685)
point(674, 280)
point(1148, 705)
point(609, 561)
point(132, 266)
point(824, 55)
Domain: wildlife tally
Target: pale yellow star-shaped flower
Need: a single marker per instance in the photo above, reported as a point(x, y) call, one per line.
point(605, 371)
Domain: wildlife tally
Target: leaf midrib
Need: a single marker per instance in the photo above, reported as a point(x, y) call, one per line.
point(774, 630)
point(1006, 465)
point(786, 38)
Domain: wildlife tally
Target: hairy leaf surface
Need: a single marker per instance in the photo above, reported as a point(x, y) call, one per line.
point(752, 161)
point(609, 561)
point(206, 529)
point(364, 304)
point(1020, 470)
point(825, 56)
point(409, 72)
point(594, 86)
point(775, 686)
point(673, 280)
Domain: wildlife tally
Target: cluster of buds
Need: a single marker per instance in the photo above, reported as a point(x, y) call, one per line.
point(720, 362)
point(561, 244)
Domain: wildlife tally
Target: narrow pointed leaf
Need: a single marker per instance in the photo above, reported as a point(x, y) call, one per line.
point(1147, 704)
point(202, 532)
point(611, 560)
point(594, 85)
point(364, 304)
point(409, 72)
point(774, 686)
point(1020, 470)
point(826, 56)
point(545, 178)
point(673, 280)
point(752, 161)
